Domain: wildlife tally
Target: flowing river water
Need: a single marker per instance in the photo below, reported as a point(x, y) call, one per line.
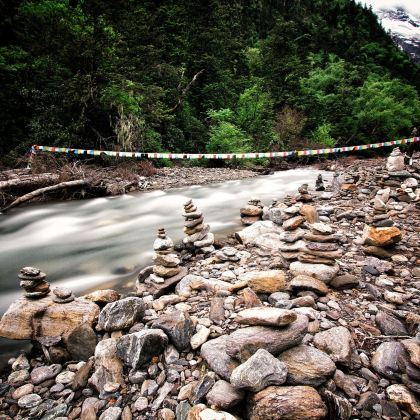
point(104, 242)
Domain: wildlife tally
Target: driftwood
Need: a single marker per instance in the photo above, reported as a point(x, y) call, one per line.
point(41, 191)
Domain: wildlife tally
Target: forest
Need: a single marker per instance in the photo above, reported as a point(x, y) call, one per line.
point(212, 75)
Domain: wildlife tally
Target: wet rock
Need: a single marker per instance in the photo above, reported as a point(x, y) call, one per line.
point(303, 282)
point(286, 403)
point(243, 343)
point(346, 281)
point(223, 395)
point(389, 359)
point(321, 272)
point(108, 367)
point(259, 371)
point(267, 316)
point(178, 326)
point(402, 396)
point(307, 365)
point(265, 281)
point(138, 348)
point(337, 343)
point(121, 314)
point(215, 354)
point(389, 325)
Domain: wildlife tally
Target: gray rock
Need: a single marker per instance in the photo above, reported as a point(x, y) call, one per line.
point(214, 353)
point(389, 359)
point(59, 411)
point(223, 395)
point(42, 373)
point(202, 388)
point(111, 413)
point(178, 326)
point(307, 365)
point(243, 343)
point(346, 281)
point(389, 325)
point(262, 369)
point(121, 314)
point(29, 401)
point(81, 342)
point(322, 272)
point(337, 343)
point(182, 410)
point(138, 348)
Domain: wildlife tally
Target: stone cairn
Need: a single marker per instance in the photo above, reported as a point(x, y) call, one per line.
point(166, 261)
point(319, 184)
point(199, 238)
point(252, 212)
point(32, 280)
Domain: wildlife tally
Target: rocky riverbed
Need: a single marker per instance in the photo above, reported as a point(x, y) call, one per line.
point(309, 312)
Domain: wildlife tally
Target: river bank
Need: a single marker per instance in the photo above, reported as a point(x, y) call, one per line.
point(311, 313)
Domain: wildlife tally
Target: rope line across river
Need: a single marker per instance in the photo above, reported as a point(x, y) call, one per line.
point(227, 156)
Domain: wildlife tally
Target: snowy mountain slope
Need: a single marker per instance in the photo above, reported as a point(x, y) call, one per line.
point(404, 28)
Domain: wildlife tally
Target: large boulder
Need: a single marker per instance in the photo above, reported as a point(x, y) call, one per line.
point(243, 343)
point(178, 326)
point(321, 272)
point(28, 319)
point(108, 367)
point(307, 365)
point(138, 348)
point(286, 403)
point(269, 281)
point(214, 353)
point(259, 371)
point(122, 314)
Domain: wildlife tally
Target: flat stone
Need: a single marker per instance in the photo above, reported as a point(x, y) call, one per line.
point(265, 281)
point(307, 365)
point(215, 354)
point(272, 317)
point(223, 395)
point(293, 223)
point(29, 401)
point(165, 272)
point(178, 326)
point(42, 373)
point(167, 260)
point(303, 282)
point(121, 314)
point(292, 236)
point(251, 211)
point(249, 234)
point(388, 359)
point(103, 296)
point(390, 325)
point(243, 343)
point(138, 348)
point(22, 391)
point(286, 402)
point(259, 371)
point(321, 229)
point(322, 272)
point(337, 343)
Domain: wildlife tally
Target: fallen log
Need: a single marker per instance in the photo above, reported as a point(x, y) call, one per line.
point(29, 181)
point(40, 191)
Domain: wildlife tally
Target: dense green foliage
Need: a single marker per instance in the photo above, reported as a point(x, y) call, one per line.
point(212, 75)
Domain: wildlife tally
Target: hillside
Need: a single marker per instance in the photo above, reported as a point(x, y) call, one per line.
point(219, 77)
